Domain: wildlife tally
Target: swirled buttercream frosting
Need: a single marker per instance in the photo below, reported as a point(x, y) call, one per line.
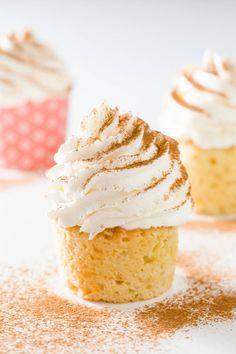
point(202, 104)
point(118, 172)
point(29, 71)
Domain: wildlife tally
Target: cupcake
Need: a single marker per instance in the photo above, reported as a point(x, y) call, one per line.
point(119, 192)
point(201, 114)
point(34, 92)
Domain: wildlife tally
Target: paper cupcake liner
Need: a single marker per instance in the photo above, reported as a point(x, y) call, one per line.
point(31, 134)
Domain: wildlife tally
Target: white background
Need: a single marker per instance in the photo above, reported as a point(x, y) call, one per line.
point(125, 51)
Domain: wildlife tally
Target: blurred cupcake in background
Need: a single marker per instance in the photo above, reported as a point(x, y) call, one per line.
point(201, 114)
point(34, 94)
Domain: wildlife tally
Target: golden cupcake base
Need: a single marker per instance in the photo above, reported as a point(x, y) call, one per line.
point(118, 265)
point(212, 174)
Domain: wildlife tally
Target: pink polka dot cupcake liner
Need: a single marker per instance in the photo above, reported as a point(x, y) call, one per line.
point(31, 134)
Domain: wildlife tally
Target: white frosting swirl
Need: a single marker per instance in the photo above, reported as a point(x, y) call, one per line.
point(202, 104)
point(118, 172)
point(29, 71)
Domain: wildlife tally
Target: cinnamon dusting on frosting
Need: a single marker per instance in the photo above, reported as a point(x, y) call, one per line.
point(200, 87)
point(137, 164)
point(201, 106)
point(178, 98)
point(121, 168)
point(128, 137)
point(179, 182)
point(156, 181)
point(25, 60)
point(108, 120)
point(149, 137)
point(29, 70)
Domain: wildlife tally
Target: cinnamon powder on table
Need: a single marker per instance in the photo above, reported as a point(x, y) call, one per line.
point(34, 319)
point(205, 302)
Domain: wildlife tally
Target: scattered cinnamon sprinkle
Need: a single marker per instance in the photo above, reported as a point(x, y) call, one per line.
point(34, 318)
point(204, 303)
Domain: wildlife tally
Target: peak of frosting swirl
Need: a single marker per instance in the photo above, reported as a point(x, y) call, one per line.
point(202, 104)
point(118, 172)
point(29, 70)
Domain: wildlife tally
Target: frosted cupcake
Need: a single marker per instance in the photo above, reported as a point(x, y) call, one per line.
point(201, 114)
point(119, 190)
point(34, 90)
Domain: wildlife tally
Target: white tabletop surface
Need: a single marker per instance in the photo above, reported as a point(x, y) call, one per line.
point(25, 225)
